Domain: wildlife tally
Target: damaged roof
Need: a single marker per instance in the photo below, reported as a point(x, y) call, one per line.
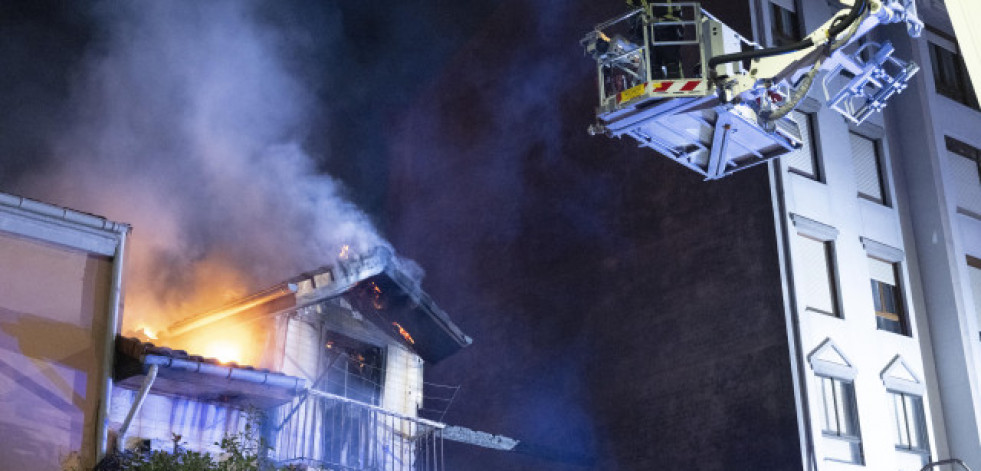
point(377, 285)
point(203, 379)
point(395, 303)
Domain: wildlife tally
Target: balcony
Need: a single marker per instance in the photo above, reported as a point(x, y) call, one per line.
point(334, 433)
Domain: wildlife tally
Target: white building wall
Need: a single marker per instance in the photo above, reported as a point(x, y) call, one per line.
point(201, 426)
point(944, 198)
point(834, 202)
point(403, 381)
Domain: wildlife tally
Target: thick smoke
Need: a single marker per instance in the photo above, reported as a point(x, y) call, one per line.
point(187, 125)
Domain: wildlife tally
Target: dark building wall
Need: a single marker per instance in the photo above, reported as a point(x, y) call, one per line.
point(626, 315)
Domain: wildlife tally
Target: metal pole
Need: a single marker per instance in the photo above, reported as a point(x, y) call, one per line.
point(137, 404)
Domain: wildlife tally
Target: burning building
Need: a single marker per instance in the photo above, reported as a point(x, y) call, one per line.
point(350, 340)
point(338, 356)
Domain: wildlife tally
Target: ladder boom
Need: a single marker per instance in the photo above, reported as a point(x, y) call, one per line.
point(676, 79)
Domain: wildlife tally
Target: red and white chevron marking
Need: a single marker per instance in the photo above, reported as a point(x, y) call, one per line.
point(660, 87)
point(674, 86)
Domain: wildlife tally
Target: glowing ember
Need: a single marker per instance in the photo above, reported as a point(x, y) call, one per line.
point(223, 351)
point(345, 252)
point(405, 334)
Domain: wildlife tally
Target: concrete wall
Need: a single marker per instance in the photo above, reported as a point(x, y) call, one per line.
point(53, 320)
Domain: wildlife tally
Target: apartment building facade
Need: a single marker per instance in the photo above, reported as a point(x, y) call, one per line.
point(939, 157)
point(880, 232)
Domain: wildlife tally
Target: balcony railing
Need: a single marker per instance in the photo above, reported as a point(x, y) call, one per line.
point(334, 433)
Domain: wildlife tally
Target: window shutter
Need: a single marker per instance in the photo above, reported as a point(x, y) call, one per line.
point(975, 274)
point(802, 160)
point(866, 167)
point(883, 272)
point(967, 182)
point(816, 278)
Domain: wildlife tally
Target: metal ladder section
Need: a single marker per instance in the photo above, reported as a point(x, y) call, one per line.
point(873, 75)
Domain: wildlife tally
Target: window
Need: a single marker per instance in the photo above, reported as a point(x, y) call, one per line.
point(965, 165)
point(814, 263)
point(910, 428)
point(351, 368)
point(818, 280)
point(974, 272)
point(887, 297)
point(835, 395)
point(962, 149)
point(804, 161)
point(868, 169)
point(950, 76)
point(839, 424)
point(786, 26)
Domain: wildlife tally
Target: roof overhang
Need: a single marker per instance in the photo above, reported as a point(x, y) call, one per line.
point(394, 302)
point(201, 379)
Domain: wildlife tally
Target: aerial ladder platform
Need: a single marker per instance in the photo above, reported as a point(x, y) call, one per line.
point(679, 81)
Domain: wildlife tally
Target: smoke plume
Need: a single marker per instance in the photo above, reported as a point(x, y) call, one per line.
point(188, 125)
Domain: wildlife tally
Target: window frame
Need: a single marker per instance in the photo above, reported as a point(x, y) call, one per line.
point(814, 147)
point(963, 149)
point(911, 418)
point(829, 362)
point(342, 357)
point(819, 232)
point(961, 89)
point(974, 263)
point(782, 18)
point(880, 173)
point(854, 440)
point(880, 295)
point(830, 257)
point(893, 256)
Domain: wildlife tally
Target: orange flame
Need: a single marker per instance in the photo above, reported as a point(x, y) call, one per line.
point(223, 351)
point(405, 334)
point(376, 301)
point(147, 332)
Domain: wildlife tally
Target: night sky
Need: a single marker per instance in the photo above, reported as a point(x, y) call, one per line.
point(459, 128)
